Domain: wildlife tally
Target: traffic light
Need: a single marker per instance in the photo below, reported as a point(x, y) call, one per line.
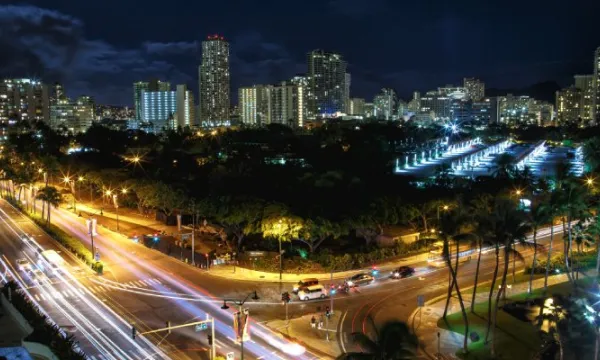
point(210, 339)
point(168, 327)
point(133, 332)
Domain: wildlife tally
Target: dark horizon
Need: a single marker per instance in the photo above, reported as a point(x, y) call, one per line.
point(101, 49)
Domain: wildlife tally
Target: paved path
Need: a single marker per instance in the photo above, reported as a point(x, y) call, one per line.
point(434, 339)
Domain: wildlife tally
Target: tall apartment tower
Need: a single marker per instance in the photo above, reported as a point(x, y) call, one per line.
point(326, 83)
point(186, 111)
point(24, 100)
point(475, 88)
point(214, 79)
point(596, 87)
point(141, 86)
point(255, 104)
point(347, 81)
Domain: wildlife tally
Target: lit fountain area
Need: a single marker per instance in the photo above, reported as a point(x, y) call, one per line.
point(423, 162)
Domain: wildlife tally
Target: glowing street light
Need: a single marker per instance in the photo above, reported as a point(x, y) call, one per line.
point(589, 181)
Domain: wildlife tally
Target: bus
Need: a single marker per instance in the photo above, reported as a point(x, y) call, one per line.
point(436, 259)
point(50, 261)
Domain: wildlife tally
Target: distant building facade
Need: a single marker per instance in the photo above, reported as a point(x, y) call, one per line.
point(24, 100)
point(214, 80)
point(326, 78)
point(475, 88)
point(357, 106)
point(385, 104)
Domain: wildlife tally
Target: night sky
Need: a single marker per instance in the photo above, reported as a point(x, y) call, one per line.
point(100, 47)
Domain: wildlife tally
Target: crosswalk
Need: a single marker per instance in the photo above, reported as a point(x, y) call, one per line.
point(98, 289)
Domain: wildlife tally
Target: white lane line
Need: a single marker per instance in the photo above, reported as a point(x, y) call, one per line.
point(91, 288)
point(37, 297)
point(143, 282)
point(43, 297)
point(65, 294)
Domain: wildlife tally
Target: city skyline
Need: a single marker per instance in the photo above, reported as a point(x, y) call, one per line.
point(91, 59)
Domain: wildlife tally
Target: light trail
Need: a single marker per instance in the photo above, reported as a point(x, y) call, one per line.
point(76, 317)
point(222, 319)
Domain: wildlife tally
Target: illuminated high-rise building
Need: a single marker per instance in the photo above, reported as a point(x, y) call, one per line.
point(141, 86)
point(357, 107)
point(288, 101)
point(85, 110)
point(347, 81)
point(214, 80)
point(24, 100)
point(186, 110)
point(326, 83)
point(596, 88)
point(385, 104)
point(256, 104)
point(475, 88)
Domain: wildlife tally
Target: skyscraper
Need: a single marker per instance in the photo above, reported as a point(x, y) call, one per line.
point(84, 114)
point(159, 108)
point(256, 104)
point(141, 86)
point(326, 83)
point(214, 79)
point(347, 81)
point(288, 102)
point(596, 87)
point(24, 100)
point(186, 112)
point(385, 103)
point(475, 88)
point(357, 106)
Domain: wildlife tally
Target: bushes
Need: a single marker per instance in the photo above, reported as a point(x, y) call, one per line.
point(583, 261)
point(72, 244)
point(44, 331)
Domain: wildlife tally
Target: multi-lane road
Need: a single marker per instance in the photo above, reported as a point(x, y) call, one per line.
point(146, 288)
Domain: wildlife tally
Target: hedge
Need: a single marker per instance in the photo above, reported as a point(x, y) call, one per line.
point(71, 243)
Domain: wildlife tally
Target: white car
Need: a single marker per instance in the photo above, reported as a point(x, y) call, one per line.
point(23, 265)
point(312, 292)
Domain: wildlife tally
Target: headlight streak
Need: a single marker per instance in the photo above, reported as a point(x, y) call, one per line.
point(69, 283)
point(222, 322)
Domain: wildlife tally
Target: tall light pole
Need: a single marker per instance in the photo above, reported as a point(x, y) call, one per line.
point(79, 181)
point(240, 303)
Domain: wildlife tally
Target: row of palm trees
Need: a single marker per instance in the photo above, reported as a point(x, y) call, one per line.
point(49, 195)
point(503, 223)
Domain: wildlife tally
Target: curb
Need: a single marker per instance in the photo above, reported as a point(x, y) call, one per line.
point(411, 317)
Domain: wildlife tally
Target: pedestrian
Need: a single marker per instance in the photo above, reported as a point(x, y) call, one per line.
point(313, 322)
point(321, 322)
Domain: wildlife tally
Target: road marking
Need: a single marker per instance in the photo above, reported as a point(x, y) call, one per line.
point(43, 297)
point(344, 334)
point(92, 357)
point(143, 282)
point(65, 294)
point(37, 297)
point(139, 283)
point(151, 281)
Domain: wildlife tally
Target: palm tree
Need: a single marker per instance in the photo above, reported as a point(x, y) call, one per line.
point(393, 341)
point(514, 230)
point(452, 230)
point(481, 208)
point(593, 230)
point(553, 209)
point(538, 216)
point(51, 197)
point(504, 166)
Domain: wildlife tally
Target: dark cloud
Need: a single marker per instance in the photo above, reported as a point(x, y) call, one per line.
point(49, 45)
point(256, 60)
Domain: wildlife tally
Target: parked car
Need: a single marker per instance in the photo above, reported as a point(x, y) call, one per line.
point(312, 292)
point(359, 279)
point(402, 272)
point(304, 283)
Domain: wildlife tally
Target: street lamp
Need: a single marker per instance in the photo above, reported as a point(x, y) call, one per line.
point(240, 304)
point(116, 203)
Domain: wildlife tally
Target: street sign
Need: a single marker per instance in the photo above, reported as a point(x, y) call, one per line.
point(97, 256)
point(230, 356)
point(186, 236)
point(256, 253)
point(420, 300)
point(201, 327)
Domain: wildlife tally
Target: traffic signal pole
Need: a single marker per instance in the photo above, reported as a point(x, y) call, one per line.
point(209, 319)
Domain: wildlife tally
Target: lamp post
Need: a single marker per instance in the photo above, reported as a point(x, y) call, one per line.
point(79, 181)
point(240, 304)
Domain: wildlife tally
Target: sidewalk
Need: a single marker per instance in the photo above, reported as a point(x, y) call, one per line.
point(244, 274)
point(424, 321)
point(301, 331)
